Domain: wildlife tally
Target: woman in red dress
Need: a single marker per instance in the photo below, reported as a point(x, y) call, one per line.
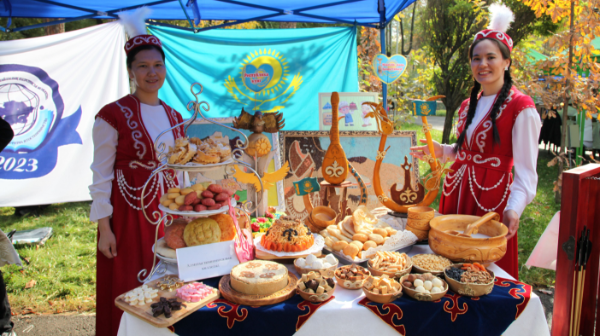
point(124, 157)
point(498, 129)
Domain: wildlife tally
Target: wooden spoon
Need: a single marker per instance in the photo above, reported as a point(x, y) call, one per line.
point(474, 227)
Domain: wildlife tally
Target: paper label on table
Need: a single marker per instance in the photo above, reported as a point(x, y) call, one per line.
point(206, 261)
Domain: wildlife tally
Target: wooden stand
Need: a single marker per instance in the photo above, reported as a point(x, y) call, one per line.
point(329, 199)
point(580, 206)
point(145, 312)
point(257, 300)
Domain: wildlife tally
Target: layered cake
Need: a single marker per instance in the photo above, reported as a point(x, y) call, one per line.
point(287, 235)
point(259, 277)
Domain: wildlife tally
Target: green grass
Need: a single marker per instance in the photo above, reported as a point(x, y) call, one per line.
point(64, 268)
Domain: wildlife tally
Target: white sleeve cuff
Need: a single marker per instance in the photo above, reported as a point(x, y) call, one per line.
point(517, 202)
point(100, 208)
point(449, 154)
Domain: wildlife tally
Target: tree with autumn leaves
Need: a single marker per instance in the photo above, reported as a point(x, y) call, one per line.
point(572, 74)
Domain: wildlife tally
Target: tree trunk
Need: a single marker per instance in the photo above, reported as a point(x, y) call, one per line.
point(55, 29)
point(287, 25)
point(565, 125)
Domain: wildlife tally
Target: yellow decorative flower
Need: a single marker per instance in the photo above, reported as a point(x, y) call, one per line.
point(263, 146)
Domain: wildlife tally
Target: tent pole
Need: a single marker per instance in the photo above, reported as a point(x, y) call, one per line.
point(383, 85)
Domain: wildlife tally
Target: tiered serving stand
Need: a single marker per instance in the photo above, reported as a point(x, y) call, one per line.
point(166, 216)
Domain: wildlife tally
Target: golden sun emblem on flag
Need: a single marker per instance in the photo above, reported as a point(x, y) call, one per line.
point(264, 73)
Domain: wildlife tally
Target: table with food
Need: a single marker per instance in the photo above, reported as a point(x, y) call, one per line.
point(232, 267)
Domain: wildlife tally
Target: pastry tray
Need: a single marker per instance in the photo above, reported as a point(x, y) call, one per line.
point(205, 213)
point(344, 259)
point(145, 312)
point(192, 166)
point(234, 296)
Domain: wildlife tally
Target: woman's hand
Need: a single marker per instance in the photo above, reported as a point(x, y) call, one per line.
point(107, 244)
point(420, 151)
point(511, 220)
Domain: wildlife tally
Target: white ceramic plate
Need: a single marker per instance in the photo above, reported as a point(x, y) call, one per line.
point(194, 213)
point(163, 258)
point(193, 165)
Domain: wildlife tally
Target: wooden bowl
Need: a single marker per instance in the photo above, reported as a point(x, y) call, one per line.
point(468, 289)
point(322, 217)
point(423, 296)
point(377, 272)
point(382, 298)
point(345, 283)
point(421, 212)
point(418, 269)
point(421, 234)
point(419, 224)
point(314, 297)
point(311, 225)
point(326, 272)
point(467, 249)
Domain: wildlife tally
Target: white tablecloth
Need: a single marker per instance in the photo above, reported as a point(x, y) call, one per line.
point(344, 316)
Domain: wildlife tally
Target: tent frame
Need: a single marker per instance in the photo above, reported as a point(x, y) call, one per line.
point(276, 13)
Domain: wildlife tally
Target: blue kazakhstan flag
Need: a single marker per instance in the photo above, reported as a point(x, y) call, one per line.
point(260, 69)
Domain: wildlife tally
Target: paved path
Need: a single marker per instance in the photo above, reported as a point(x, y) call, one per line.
point(60, 324)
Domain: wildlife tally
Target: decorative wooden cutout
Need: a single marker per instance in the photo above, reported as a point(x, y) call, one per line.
point(407, 195)
point(335, 163)
point(385, 127)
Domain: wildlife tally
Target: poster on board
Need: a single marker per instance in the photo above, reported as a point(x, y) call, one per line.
point(350, 109)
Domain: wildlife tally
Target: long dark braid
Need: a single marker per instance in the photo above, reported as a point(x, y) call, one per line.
point(472, 107)
point(504, 92)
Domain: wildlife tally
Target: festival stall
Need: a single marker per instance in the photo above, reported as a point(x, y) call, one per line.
point(356, 249)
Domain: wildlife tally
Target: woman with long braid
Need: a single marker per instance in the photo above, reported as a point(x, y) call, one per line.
point(498, 129)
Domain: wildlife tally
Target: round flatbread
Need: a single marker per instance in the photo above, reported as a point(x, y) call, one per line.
point(164, 250)
point(202, 231)
point(226, 225)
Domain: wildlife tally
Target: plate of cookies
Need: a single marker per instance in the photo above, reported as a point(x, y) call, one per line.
point(190, 152)
point(196, 200)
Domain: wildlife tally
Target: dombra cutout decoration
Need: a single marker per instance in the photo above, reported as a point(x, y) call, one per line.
point(385, 127)
point(389, 69)
point(335, 164)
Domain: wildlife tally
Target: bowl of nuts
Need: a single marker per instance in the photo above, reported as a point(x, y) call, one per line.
point(382, 289)
point(424, 287)
point(393, 264)
point(314, 287)
point(351, 276)
point(470, 279)
point(430, 263)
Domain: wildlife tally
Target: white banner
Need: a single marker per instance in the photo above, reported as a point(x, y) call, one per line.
point(50, 90)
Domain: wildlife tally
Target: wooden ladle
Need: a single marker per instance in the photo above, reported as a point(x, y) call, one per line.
point(473, 228)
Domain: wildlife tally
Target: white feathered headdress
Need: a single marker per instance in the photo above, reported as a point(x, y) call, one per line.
point(135, 26)
point(500, 18)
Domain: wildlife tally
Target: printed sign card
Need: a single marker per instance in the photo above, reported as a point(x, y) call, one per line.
point(206, 261)
point(389, 69)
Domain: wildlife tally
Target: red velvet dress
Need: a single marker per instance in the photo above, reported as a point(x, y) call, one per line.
point(482, 172)
point(134, 162)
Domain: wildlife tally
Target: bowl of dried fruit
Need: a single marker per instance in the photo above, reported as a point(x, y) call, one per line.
point(469, 279)
point(430, 263)
point(351, 276)
point(424, 287)
point(392, 264)
point(314, 287)
point(383, 289)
